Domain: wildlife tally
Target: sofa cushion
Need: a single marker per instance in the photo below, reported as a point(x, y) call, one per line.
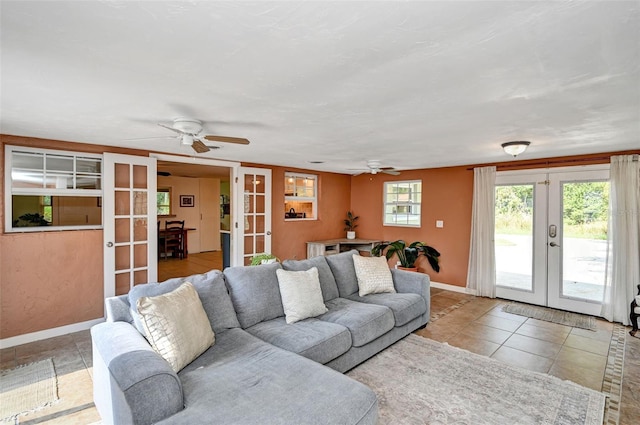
point(255, 293)
point(176, 325)
point(301, 294)
point(211, 289)
point(344, 272)
point(405, 307)
point(366, 322)
point(327, 281)
point(314, 339)
point(374, 276)
point(243, 380)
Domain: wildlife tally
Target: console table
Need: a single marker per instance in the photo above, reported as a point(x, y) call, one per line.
point(335, 246)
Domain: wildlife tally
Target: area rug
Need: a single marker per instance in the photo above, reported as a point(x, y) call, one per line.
point(551, 315)
point(27, 388)
point(420, 381)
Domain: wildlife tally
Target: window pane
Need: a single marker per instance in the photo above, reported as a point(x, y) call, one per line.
point(59, 163)
point(42, 211)
point(27, 179)
point(88, 165)
point(33, 161)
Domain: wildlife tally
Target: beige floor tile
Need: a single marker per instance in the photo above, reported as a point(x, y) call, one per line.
point(548, 325)
point(523, 359)
point(497, 311)
point(475, 345)
point(455, 296)
point(579, 375)
point(557, 336)
point(534, 346)
point(498, 322)
point(600, 334)
point(572, 357)
point(487, 333)
point(587, 344)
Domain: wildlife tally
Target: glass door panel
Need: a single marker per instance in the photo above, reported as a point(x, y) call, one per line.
point(514, 236)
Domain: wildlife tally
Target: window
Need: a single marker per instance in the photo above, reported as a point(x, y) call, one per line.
point(52, 190)
point(300, 196)
point(402, 203)
point(164, 201)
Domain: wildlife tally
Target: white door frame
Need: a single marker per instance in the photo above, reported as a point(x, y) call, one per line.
point(235, 170)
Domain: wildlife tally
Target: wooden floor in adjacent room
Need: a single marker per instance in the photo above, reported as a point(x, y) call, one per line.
point(194, 264)
point(476, 324)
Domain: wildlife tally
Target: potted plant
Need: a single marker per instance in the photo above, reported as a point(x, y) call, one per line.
point(408, 255)
point(263, 258)
point(350, 225)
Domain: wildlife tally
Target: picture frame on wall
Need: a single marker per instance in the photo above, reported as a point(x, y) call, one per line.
point(187, 200)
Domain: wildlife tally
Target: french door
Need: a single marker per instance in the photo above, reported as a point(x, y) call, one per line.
point(129, 217)
point(252, 228)
point(551, 237)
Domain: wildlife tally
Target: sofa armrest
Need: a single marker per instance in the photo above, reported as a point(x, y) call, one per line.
point(411, 282)
point(131, 383)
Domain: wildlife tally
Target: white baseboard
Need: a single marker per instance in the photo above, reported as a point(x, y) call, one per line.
point(48, 333)
point(452, 288)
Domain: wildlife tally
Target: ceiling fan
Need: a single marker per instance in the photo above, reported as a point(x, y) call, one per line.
point(375, 168)
point(189, 134)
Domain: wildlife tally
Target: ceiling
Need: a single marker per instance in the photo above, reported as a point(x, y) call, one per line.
point(413, 84)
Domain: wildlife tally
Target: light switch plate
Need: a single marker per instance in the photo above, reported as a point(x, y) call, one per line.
point(439, 223)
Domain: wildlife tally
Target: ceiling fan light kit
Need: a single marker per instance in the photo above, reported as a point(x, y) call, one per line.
point(515, 148)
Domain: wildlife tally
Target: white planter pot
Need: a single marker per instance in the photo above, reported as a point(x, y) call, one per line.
point(351, 235)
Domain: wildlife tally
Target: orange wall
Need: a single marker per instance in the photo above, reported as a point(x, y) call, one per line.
point(289, 238)
point(446, 195)
point(50, 279)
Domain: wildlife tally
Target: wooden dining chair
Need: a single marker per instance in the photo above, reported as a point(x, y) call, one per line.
point(174, 238)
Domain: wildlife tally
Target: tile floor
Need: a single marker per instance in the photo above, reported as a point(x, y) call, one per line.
point(479, 325)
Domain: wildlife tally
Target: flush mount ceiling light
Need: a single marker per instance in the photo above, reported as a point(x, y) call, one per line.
point(515, 148)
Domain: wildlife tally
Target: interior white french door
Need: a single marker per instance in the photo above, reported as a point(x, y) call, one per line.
point(542, 256)
point(129, 217)
point(252, 224)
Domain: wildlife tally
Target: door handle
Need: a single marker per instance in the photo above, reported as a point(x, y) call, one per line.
point(269, 232)
point(554, 244)
point(109, 244)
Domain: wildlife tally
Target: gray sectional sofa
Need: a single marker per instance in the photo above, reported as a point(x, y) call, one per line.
point(260, 369)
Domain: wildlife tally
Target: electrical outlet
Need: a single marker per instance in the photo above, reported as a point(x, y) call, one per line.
point(439, 224)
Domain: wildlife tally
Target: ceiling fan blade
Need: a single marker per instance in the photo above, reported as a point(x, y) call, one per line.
point(200, 147)
point(225, 139)
point(170, 128)
point(390, 172)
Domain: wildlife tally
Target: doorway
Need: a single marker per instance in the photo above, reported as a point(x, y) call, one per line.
point(551, 237)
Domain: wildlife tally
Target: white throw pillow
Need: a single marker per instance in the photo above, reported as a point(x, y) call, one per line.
point(176, 325)
point(301, 294)
point(374, 276)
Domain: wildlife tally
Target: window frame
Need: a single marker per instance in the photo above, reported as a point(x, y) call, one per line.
point(409, 204)
point(10, 191)
point(293, 198)
point(168, 190)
